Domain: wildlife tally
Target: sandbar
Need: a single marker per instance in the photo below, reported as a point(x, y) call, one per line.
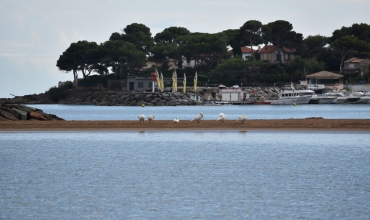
point(127, 125)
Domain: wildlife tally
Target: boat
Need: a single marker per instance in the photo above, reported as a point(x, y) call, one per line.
point(318, 95)
point(364, 99)
point(340, 98)
point(316, 98)
point(354, 97)
point(289, 97)
point(262, 101)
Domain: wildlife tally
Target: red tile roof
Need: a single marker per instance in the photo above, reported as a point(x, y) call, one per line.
point(247, 50)
point(271, 48)
point(267, 49)
point(244, 50)
point(354, 60)
point(324, 75)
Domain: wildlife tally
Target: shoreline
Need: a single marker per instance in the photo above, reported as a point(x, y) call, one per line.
point(204, 125)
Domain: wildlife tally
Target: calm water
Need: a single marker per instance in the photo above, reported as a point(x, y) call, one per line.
point(184, 175)
point(88, 112)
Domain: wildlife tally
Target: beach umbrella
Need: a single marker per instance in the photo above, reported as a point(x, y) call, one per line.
point(184, 83)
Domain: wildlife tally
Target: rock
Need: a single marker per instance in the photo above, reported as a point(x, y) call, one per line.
point(38, 116)
point(25, 108)
point(22, 115)
point(8, 115)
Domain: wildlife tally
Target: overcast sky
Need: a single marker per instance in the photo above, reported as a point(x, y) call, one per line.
point(35, 33)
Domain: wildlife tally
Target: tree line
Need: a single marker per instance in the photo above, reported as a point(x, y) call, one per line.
point(128, 52)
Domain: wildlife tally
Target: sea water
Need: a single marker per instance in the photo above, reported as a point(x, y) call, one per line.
point(90, 112)
point(184, 175)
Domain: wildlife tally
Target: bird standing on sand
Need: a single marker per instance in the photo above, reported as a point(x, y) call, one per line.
point(198, 118)
point(150, 118)
point(221, 117)
point(242, 118)
point(141, 118)
point(176, 120)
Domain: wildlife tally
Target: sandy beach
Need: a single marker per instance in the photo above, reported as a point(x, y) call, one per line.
point(286, 124)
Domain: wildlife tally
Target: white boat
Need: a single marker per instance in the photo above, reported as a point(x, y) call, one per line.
point(340, 98)
point(289, 97)
point(325, 99)
point(316, 99)
point(354, 97)
point(364, 97)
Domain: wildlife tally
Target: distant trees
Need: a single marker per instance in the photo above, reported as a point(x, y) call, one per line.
point(82, 56)
point(128, 51)
point(166, 45)
point(351, 41)
point(280, 33)
point(251, 34)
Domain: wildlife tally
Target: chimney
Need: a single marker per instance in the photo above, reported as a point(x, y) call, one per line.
point(259, 48)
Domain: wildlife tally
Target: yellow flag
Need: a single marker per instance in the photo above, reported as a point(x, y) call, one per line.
point(184, 83)
point(175, 81)
point(195, 81)
point(162, 83)
point(158, 80)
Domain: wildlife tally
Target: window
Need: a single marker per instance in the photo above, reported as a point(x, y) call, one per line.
point(150, 84)
point(262, 56)
point(278, 57)
point(351, 65)
point(288, 56)
point(131, 86)
point(140, 85)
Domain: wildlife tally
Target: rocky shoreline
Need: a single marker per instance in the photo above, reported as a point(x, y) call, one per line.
point(125, 98)
point(16, 112)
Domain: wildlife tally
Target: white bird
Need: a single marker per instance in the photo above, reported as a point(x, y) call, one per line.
point(221, 117)
point(150, 118)
point(242, 118)
point(141, 118)
point(198, 117)
point(176, 120)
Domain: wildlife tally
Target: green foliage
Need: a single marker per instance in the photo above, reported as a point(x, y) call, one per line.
point(312, 45)
point(58, 93)
point(280, 33)
point(122, 57)
point(126, 53)
point(139, 35)
point(206, 49)
point(82, 56)
point(251, 34)
point(232, 39)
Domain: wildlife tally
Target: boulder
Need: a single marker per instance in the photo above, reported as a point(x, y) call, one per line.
point(25, 108)
point(37, 115)
point(8, 115)
point(22, 115)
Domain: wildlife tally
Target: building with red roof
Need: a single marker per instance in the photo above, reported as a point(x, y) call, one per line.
point(246, 52)
point(270, 53)
point(356, 65)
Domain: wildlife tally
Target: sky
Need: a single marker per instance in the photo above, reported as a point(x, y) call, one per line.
point(35, 33)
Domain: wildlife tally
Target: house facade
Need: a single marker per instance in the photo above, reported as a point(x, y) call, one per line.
point(356, 65)
point(269, 53)
point(135, 83)
point(247, 52)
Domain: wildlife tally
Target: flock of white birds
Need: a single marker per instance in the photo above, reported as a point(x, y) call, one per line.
point(221, 117)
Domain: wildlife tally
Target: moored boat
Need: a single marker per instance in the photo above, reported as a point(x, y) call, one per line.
point(289, 97)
